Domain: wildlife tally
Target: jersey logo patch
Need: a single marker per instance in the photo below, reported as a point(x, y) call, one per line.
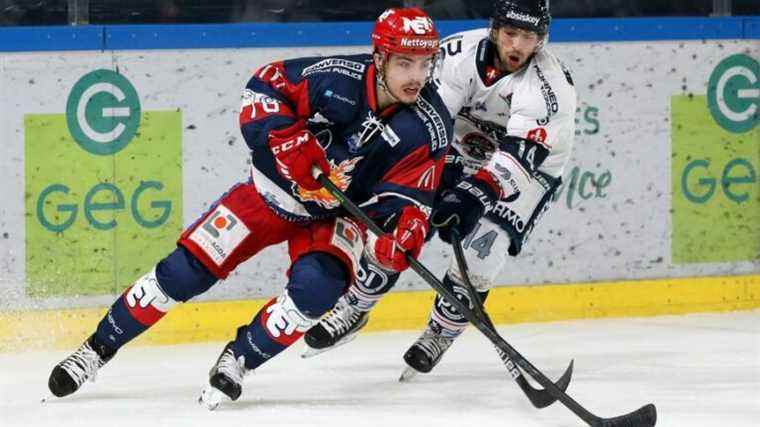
point(340, 175)
point(347, 237)
point(220, 234)
point(537, 135)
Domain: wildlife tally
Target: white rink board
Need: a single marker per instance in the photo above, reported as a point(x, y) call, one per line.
point(623, 127)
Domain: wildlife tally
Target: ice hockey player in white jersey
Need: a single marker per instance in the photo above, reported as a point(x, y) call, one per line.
point(514, 107)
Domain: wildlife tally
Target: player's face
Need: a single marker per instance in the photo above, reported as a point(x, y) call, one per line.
point(515, 47)
point(405, 75)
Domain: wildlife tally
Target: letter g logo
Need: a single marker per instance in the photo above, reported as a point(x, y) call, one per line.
point(733, 93)
point(103, 112)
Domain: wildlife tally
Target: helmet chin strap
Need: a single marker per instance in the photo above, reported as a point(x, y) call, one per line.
point(381, 77)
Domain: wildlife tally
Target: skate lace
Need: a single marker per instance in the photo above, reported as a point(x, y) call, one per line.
point(342, 318)
point(231, 367)
point(433, 344)
point(83, 364)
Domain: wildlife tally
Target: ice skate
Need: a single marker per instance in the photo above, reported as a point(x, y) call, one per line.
point(82, 365)
point(425, 353)
point(339, 326)
point(225, 379)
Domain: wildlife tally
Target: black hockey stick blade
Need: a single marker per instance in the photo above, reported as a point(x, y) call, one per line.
point(646, 416)
point(643, 417)
point(540, 398)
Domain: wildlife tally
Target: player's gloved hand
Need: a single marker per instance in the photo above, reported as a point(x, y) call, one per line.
point(389, 250)
point(461, 207)
point(296, 152)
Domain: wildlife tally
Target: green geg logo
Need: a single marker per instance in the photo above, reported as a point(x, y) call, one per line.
point(733, 93)
point(104, 188)
point(99, 200)
point(103, 116)
point(737, 176)
point(716, 162)
point(103, 112)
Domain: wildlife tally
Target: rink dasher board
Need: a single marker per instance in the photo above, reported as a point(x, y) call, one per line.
point(217, 320)
point(614, 219)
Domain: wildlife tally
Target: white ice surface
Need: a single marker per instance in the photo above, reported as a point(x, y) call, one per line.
point(700, 370)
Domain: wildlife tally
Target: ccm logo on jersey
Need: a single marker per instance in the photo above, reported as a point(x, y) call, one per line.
point(220, 234)
point(537, 135)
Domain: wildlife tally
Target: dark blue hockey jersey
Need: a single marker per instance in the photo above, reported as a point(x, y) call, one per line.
point(383, 160)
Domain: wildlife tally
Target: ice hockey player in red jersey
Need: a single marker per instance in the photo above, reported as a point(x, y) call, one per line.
point(514, 108)
point(373, 124)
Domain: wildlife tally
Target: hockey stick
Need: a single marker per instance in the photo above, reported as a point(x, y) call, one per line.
point(540, 398)
point(646, 416)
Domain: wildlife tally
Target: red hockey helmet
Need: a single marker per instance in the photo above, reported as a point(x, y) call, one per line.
point(408, 30)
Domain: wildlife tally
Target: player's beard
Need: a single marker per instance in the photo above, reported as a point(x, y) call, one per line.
point(515, 62)
point(510, 60)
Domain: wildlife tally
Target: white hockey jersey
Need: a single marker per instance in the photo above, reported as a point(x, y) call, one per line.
point(537, 103)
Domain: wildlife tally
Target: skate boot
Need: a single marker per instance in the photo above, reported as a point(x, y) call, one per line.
point(425, 353)
point(82, 365)
point(339, 326)
point(225, 379)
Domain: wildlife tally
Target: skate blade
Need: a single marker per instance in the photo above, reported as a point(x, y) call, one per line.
point(408, 374)
point(311, 352)
point(210, 398)
point(46, 398)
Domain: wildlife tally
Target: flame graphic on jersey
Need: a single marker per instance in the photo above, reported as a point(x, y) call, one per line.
point(340, 176)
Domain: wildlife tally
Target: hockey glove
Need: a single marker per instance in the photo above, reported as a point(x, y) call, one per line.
point(296, 152)
point(461, 207)
point(389, 250)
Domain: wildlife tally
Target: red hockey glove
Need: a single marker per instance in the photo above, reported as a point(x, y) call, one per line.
point(389, 250)
point(296, 151)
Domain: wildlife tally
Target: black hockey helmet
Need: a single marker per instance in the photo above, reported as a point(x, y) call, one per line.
point(531, 15)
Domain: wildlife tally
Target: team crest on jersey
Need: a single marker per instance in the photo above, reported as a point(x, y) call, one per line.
point(478, 146)
point(340, 175)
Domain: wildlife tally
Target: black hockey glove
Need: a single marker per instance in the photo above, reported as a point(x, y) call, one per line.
point(461, 207)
